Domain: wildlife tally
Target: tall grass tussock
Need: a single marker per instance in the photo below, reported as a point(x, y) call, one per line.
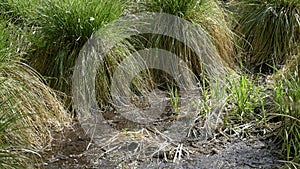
point(287, 99)
point(206, 14)
point(29, 110)
point(41, 40)
point(64, 27)
point(269, 32)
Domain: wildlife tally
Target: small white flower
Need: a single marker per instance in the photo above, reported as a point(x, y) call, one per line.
point(92, 18)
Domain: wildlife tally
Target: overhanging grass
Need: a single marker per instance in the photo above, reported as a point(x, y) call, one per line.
point(64, 27)
point(29, 109)
point(206, 14)
point(11, 154)
point(199, 60)
point(270, 31)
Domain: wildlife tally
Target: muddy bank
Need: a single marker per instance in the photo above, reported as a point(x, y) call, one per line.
point(73, 149)
point(235, 153)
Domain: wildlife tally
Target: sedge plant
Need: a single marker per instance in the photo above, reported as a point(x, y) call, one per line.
point(287, 99)
point(246, 101)
point(269, 32)
point(214, 29)
point(61, 29)
point(29, 108)
point(207, 14)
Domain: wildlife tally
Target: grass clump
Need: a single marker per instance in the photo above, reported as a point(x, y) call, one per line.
point(59, 29)
point(18, 11)
point(287, 99)
point(29, 109)
point(63, 28)
point(246, 96)
point(11, 153)
point(206, 14)
point(194, 49)
point(270, 32)
point(245, 105)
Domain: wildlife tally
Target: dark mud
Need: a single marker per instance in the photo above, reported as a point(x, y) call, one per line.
point(73, 149)
point(136, 145)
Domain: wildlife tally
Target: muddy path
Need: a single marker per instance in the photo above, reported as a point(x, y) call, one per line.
point(73, 149)
point(135, 145)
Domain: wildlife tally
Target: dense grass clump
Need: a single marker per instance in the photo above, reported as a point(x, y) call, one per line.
point(206, 14)
point(213, 41)
point(287, 98)
point(11, 153)
point(65, 26)
point(269, 32)
point(18, 11)
point(29, 109)
point(59, 30)
point(49, 35)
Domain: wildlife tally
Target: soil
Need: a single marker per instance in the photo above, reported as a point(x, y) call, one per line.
point(73, 149)
point(136, 145)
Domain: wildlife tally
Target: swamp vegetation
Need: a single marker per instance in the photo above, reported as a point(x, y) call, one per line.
point(255, 43)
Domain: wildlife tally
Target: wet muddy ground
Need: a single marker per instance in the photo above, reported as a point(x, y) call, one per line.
point(73, 149)
point(134, 145)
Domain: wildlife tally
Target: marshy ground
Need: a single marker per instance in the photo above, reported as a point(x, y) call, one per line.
point(135, 145)
point(249, 47)
point(73, 149)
